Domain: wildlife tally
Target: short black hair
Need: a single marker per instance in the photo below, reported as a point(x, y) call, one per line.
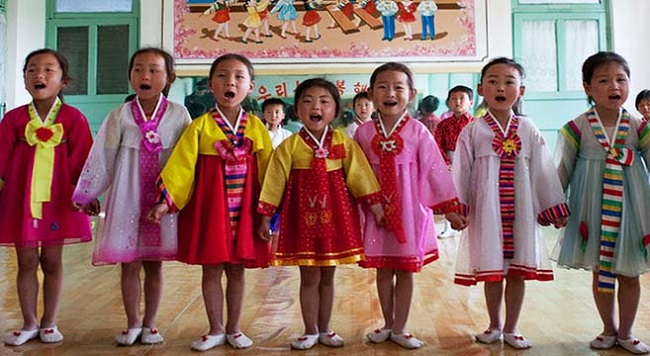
point(462, 89)
point(643, 94)
point(273, 101)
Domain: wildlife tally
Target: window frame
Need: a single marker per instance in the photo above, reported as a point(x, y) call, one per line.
point(560, 14)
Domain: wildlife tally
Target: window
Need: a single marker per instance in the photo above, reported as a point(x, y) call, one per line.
point(552, 41)
point(97, 37)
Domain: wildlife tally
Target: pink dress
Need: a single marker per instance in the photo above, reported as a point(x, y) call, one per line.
point(423, 182)
point(59, 224)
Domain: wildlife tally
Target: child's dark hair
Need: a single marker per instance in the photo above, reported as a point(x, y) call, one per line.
point(428, 105)
point(321, 83)
point(63, 63)
point(169, 64)
point(597, 60)
point(234, 56)
point(506, 61)
point(390, 66)
point(461, 89)
point(359, 96)
point(274, 101)
point(643, 94)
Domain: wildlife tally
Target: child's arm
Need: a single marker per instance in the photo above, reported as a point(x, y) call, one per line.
point(274, 184)
point(644, 141)
point(566, 151)
point(462, 168)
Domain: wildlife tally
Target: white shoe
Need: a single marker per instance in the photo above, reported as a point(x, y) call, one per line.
point(331, 339)
point(379, 335)
point(128, 337)
point(239, 340)
point(634, 345)
point(151, 336)
point(517, 341)
point(20, 337)
point(305, 342)
point(489, 336)
point(406, 340)
point(50, 335)
point(206, 342)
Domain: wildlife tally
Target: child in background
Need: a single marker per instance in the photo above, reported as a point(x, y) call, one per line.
point(642, 103)
point(363, 109)
point(43, 146)
point(507, 183)
point(273, 111)
point(415, 182)
point(459, 100)
point(313, 175)
point(129, 152)
point(213, 177)
point(602, 157)
point(427, 112)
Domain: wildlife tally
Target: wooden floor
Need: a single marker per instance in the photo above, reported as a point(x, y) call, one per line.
point(559, 317)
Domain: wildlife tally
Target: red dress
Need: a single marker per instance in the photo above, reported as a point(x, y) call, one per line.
point(406, 13)
point(59, 224)
point(311, 18)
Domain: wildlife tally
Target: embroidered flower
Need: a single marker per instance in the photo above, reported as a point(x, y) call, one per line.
point(321, 152)
point(152, 137)
point(44, 134)
point(509, 146)
point(388, 145)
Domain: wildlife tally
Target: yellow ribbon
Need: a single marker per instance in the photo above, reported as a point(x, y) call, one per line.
point(45, 136)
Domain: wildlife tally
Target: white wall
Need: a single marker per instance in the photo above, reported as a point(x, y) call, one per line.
point(630, 19)
point(25, 33)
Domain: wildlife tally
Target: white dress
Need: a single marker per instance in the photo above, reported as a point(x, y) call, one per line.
point(112, 170)
point(537, 190)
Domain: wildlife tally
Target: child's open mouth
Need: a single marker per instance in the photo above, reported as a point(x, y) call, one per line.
point(229, 95)
point(145, 87)
point(39, 86)
point(500, 99)
point(315, 118)
point(614, 97)
point(390, 103)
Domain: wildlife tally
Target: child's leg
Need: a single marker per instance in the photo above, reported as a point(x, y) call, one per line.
point(403, 294)
point(386, 292)
point(131, 291)
point(153, 287)
point(310, 297)
point(605, 303)
point(515, 291)
point(213, 297)
point(629, 292)
point(234, 295)
point(52, 267)
point(493, 295)
point(326, 295)
point(27, 284)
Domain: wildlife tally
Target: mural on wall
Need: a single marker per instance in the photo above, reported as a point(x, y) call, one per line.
point(330, 31)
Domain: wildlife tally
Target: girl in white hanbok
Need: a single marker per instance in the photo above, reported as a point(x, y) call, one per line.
point(129, 152)
point(507, 183)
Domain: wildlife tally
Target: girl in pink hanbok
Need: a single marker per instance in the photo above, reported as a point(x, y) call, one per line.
point(42, 149)
point(415, 182)
point(508, 185)
point(130, 150)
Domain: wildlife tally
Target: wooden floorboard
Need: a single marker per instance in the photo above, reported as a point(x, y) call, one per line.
point(559, 317)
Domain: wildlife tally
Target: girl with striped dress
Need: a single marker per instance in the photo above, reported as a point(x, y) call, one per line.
point(603, 156)
point(213, 177)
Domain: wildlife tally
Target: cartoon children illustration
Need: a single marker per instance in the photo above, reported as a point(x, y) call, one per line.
point(221, 11)
point(287, 14)
point(388, 9)
point(427, 9)
point(311, 18)
point(406, 16)
point(253, 21)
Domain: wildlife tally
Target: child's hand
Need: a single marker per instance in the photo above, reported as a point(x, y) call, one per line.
point(378, 213)
point(458, 222)
point(560, 222)
point(157, 213)
point(264, 231)
point(93, 208)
